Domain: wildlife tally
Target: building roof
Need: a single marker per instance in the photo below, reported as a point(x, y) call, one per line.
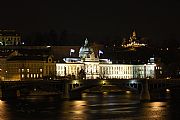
point(25, 58)
point(9, 33)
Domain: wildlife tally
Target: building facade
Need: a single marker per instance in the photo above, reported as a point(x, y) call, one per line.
point(21, 67)
point(95, 68)
point(88, 65)
point(9, 37)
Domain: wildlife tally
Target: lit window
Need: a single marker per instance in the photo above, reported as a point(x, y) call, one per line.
point(37, 75)
point(40, 76)
point(27, 70)
point(22, 70)
point(31, 75)
point(27, 75)
point(34, 75)
point(40, 70)
point(22, 75)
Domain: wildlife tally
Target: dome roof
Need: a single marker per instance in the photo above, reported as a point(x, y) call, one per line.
point(85, 51)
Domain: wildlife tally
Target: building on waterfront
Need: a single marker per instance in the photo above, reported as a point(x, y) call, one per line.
point(26, 66)
point(94, 67)
point(9, 37)
point(38, 63)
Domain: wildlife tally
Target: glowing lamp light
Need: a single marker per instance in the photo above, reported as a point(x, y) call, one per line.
point(133, 81)
point(103, 82)
point(76, 82)
point(128, 92)
point(105, 93)
point(167, 90)
point(35, 89)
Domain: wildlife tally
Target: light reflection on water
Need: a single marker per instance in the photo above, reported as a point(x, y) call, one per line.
point(4, 113)
point(91, 107)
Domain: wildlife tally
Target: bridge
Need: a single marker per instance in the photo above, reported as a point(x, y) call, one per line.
point(72, 89)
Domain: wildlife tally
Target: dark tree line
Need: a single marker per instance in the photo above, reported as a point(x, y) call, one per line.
point(53, 38)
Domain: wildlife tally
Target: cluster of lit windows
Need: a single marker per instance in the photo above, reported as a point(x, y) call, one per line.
point(31, 75)
point(158, 68)
point(127, 71)
point(28, 70)
point(9, 38)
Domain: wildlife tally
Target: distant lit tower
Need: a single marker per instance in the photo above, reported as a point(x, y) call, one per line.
point(9, 37)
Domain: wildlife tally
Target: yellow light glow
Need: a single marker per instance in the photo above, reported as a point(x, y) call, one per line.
point(103, 82)
point(1, 102)
point(128, 92)
point(157, 104)
point(105, 93)
point(75, 82)
point(167, 90)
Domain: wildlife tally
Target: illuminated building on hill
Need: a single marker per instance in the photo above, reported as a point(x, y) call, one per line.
point(133, 42)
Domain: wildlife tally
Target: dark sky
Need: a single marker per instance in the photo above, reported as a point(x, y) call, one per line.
point(156, 19)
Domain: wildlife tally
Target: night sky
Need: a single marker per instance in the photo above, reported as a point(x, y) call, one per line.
point(155, 19)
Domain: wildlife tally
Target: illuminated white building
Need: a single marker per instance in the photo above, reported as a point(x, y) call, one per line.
point(102, 68)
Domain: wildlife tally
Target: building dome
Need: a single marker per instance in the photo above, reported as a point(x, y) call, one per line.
point(85, 51)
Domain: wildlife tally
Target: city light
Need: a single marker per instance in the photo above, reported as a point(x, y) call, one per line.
point(133, 81)
point(103, 82)
point(75, 82)
point(105, 93)
point(167, 90)
point(128, 92)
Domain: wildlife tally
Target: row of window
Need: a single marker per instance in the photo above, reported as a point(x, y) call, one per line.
point(31, 75)
point(26, 65)
point(118, 77)
point(10, 38)
point(27, 70)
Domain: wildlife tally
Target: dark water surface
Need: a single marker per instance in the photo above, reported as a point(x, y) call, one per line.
point(91, 107)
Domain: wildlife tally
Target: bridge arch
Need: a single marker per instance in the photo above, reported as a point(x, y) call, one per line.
point(126, 85)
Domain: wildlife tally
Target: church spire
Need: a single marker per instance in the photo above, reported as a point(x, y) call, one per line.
point(134, 33)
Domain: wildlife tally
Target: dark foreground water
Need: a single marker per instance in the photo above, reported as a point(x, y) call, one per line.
point(92, 107)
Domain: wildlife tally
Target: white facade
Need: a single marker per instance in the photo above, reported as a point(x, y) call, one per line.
point(94, 70)
point(65, 69)
point(102, 68)
point(127, 71)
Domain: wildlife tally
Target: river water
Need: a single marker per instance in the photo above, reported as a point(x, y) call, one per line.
point(107, 106)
